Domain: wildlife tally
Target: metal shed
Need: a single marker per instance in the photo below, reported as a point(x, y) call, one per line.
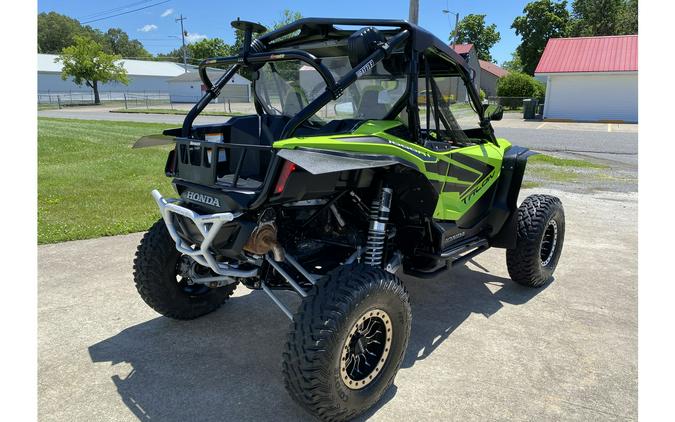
point(591, 78)
point(188, 88)
point(144, 77)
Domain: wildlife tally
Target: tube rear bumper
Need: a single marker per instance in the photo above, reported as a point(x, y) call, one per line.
point(208, 225)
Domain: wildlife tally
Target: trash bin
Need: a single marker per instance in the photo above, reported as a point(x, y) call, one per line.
point(530, 108)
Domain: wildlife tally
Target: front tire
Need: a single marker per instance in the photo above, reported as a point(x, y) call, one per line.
point(347, 342)
point(539, 243)
point(157, 281)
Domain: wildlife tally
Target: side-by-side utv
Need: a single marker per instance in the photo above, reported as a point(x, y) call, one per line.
point(370, 154)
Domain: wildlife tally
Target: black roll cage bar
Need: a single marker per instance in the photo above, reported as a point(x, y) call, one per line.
point(421, 41)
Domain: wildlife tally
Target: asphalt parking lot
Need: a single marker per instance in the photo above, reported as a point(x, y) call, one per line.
point(481, 348)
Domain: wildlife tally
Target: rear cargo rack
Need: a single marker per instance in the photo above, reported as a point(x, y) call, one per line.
point(223, 165)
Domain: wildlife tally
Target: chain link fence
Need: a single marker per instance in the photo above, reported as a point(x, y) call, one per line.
point(143, 100)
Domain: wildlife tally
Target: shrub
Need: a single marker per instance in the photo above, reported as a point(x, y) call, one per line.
point(517, 84)
point(482, 95)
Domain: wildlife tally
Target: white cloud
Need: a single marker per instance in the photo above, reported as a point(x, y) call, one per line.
point(148, 28)
point(166, 13)
point(190, 38)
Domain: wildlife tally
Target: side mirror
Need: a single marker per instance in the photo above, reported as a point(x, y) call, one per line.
point(494, 112)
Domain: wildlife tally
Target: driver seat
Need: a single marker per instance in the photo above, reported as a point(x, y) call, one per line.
point(369, 106)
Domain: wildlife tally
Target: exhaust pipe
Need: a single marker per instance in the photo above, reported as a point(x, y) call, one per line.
point(263, 240)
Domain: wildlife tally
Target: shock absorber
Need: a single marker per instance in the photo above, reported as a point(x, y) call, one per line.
point(377, 232)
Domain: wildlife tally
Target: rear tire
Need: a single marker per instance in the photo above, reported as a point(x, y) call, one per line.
point(540, 237)
point(155, 275)
point(357, 310)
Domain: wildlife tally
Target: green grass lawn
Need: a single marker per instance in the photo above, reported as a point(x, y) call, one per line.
point(91, 183)
point(564, 162)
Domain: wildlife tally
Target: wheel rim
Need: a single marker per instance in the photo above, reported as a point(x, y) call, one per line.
point(366, 349)
point(549, 242)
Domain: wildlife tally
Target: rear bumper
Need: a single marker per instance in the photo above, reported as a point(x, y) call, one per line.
point(208, 225)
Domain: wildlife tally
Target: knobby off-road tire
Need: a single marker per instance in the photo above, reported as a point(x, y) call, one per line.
point(330, 324)
point(155, 269)
point(540, 237)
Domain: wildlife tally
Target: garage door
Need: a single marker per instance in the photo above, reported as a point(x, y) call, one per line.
point(593, 97)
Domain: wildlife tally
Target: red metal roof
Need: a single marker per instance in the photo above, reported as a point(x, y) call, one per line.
point(590, 54)
point(493, 68)
point(462, 48)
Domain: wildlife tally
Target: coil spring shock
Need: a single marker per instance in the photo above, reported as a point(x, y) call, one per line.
point(377, 232)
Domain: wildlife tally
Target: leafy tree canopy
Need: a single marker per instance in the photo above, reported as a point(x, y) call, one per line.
point(513, 65)
point(542, 19)
point(116, 41)
point(517, 84)
point(57, 31)
point(472, 29)
point(209, 47)
point(603, 17)
point(87, 63)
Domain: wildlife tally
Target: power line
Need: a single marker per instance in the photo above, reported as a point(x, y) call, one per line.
point(116, 9)
point(126, 13)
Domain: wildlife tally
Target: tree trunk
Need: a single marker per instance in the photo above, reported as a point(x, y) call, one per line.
point(97, 99)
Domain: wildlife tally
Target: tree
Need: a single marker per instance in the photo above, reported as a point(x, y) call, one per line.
point(543, 19)
point(472, 29)
point(517, 84)
point(87, 63)
point(208, 47)
point(604, 17)
point(56, 31)
point(628, 18)
point(116, 41)
point(513, 65)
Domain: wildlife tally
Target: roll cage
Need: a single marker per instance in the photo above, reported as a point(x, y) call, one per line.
point(290, 42)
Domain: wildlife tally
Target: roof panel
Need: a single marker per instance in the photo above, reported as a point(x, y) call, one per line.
point(493, 68)
point(590, 54)
point(134, 67)
point(462, 48)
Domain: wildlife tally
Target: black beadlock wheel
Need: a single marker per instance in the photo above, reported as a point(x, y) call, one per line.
point(540, 236)
point(157, 279)
point(347, 342)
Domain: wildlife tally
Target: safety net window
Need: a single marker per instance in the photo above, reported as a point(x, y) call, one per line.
point(285, 88)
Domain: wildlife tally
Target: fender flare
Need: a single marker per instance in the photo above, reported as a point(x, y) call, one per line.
point(505, 205)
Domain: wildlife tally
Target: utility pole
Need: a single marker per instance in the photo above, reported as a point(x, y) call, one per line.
point(447, 13)
point(456, 25)
point(414, 12)
point(182, 35)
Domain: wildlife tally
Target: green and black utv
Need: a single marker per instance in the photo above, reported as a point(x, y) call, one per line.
point(370, 154)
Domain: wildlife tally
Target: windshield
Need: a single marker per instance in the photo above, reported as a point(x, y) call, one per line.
point(285, 88)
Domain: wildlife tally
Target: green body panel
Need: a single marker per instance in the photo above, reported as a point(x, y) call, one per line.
point(461, 175)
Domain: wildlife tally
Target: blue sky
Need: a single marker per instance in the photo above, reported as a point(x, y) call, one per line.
point(156, 29)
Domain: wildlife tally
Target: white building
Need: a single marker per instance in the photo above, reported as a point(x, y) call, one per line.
point(591, 78)
point(144, 77)
point(188, 88)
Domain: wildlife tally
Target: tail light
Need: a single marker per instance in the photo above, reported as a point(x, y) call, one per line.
point(170, 166)
point(286, 171)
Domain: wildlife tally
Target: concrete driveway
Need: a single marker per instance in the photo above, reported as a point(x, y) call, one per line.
point(482, 347)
